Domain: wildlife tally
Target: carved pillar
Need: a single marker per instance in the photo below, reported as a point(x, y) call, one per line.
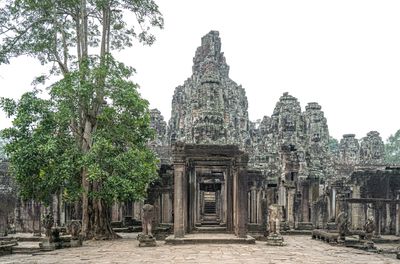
point(259, 206)
point(378, 219)
point(388, 219)
point(290, 207)
point(356, 210)
point(282, 196)
point(305, 208)
point(223, 203)
point(253, 209)
point(191, 199)
point(199, 203)
point(398, 214)
point(241, 195)
point(179, 198)
point(333, 201)
point(166, 207)
point(229, 200)
point(137, 210)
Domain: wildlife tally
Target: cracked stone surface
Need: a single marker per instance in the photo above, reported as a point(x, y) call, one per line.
point(299, 249)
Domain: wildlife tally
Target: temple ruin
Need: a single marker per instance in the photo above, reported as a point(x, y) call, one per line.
point(220, 172)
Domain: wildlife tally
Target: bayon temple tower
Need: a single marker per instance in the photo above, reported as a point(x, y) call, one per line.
point(287, 158)
point(220, 172)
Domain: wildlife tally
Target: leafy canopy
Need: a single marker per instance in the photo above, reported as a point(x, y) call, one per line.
point(44, 150)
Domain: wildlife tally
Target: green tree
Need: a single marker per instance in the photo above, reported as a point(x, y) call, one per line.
point(94, 108)
point(392, 149)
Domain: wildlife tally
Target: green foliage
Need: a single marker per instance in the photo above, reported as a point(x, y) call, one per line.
point(52, 30)
point(89, 139)
point(45, 151)
point(392, 149)
point(41, 150)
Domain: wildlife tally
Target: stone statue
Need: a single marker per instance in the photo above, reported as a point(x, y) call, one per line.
point(274, 218)
point(48, 222)
point(342, 223)
point(146, 238)
point(369, 228)
point(147, 219)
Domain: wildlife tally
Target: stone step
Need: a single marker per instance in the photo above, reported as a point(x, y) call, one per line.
point(26, 248)
point(22, 238)
point(209, 239)
point(210, 229)
point(210, 223)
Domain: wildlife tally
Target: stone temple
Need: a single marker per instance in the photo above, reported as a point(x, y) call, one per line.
point(219, 171)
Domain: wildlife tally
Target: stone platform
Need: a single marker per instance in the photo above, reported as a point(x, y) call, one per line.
point(209, 239)
point(299, 250)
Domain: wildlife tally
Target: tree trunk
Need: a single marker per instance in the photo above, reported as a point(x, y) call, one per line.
point(102, 220)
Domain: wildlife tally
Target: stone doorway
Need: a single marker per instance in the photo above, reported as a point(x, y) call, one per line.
point(210, 188)
point(210, 202)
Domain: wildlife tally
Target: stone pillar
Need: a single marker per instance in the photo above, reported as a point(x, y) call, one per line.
point(305, 217)
point(191, 199)
point(229, 200)
point(253, 204)
point(3, 224)
point(290, 207)
point(388, 219)
point(378, 220)
point(241, 202)
point(259, 206)
point(179, 198)
point(201, 203)
point(398, 214)
point(282, 196)
point(198, 203)
point(137, 210)
point(333, 201)
point(166, 207)
point(223, 203)
point(356, 210)
point(218, 204)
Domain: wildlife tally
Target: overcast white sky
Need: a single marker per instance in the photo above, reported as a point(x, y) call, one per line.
point(343, 54)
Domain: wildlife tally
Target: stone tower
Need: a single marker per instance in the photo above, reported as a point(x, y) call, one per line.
point(349, 149)
point(372, 149)
point(210, 108)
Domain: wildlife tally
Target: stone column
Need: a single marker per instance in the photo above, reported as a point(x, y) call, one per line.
point(259, 206)
point(333, 201)
point(229, 200)
point(137, 210)
point(198, 202)
point(282, 196)
point(166, 207)
point(253, 204)
point(356, 210)
point(241, 202)
point(290, 207)
point(223, 203)
point(191, 199)
point(305, 217)
point(179, 198)
point(378, 219)
point(388, 219)
point(398, 214)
